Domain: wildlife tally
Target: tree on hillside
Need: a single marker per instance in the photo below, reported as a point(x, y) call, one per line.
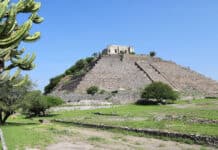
point(92, 90)
point(11, 96)
point(12, 34)
point(152, 53)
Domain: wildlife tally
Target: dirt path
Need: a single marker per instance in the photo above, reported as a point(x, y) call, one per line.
point(93, 139)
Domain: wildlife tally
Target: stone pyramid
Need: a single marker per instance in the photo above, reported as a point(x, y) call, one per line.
point(129, 74)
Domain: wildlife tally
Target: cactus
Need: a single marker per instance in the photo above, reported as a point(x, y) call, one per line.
point(12, 34)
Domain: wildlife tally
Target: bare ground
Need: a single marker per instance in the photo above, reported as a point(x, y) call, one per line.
point(93, 139)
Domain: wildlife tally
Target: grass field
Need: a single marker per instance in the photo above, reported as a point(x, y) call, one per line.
point(197, 117)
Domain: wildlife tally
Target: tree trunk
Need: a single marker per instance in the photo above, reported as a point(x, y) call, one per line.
point(1, 118)
point(6, 117)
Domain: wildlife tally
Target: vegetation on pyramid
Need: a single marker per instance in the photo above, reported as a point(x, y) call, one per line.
point(12, 34)
point(80, 68)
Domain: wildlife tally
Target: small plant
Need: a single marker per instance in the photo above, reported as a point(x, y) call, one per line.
point(160, 92)
point(92, 90)
point(102, 92)
point(152, 53)
point(121, 56)
point(132, 53)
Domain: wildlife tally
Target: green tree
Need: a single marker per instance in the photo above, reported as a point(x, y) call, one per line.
point(159, 91)
point(12, 34)
point(36, 104)
point(11, 97)
point(152, 53)
point(92, 90)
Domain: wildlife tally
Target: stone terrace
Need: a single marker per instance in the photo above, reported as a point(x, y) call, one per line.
point(111, 73)
point(186, 80)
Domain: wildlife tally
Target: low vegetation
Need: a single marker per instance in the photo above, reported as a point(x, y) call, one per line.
point(160, 92)
point(92, 90)
point(192, 117)
point(152, 53)
point(196, 117)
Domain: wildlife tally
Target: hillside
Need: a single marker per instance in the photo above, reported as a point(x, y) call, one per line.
point(128, 74)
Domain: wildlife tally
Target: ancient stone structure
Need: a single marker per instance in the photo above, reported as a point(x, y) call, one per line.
point(117, 49)
point(129, 75)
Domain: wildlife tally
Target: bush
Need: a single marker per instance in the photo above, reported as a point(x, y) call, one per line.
point(152, 53)
point(159, 91)
point(36, 104)
point(102, 92)
point(53, 101)
point(92, 90)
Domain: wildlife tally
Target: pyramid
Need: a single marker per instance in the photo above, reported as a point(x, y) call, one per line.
point(128, 74)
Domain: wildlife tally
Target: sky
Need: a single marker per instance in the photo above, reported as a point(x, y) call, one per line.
point(183, 31)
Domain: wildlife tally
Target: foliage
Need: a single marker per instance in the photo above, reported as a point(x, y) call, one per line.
point(53, 82)
point(80, 68)
point(102, 92)
point(159, 91)
point(92, 90)
point(152, 53)
point(11, 97)
point(36, 104)
point(12, 34)
point(54, 101)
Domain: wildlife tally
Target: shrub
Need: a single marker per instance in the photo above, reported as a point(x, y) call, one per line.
point(152, 53)
point(92, 90)
point(53, 101)
point(36, 104)
point(160, 92)
point(102, 92)
point(132, 53)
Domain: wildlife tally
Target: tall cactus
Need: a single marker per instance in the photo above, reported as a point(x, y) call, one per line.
point(12, 34)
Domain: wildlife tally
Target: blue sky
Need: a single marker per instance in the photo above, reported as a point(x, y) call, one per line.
point(184, 31)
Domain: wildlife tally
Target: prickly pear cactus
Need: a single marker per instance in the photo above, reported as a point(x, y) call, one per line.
point(12, 34)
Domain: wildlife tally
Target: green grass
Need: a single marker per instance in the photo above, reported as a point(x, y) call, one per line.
point(137, 116)
point(21, 133)
point(96, 139)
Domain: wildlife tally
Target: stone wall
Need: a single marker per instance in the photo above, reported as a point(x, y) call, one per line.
point(122, 97)
point(198, 139)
